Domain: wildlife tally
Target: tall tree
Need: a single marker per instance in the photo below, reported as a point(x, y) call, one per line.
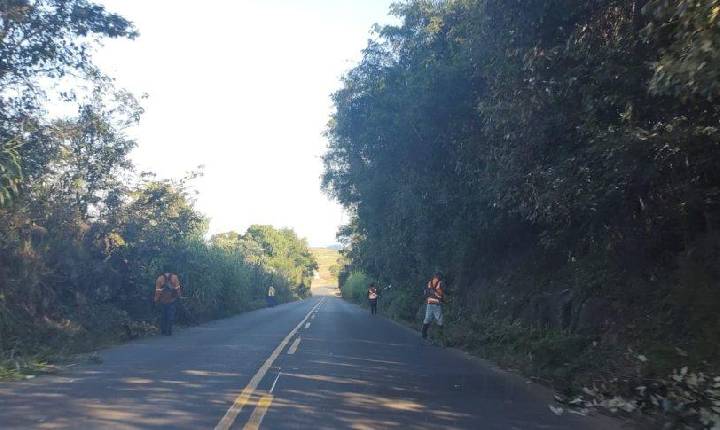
point(43, 39)
point(536, 147)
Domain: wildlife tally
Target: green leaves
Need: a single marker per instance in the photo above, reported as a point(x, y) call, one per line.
point(43, 39)
point(10, 171)
point(516, 116)
point(526, 148)
point(278, 251)
point(689, 62)
point(85, 237)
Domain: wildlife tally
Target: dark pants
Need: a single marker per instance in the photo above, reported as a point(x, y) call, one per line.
point(373, 307)
point(271, 301)
point(167, 318)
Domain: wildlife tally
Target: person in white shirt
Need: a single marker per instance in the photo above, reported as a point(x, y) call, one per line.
point(271, 297)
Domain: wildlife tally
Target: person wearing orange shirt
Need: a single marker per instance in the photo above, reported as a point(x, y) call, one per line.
point(373, 296)
point(167, 291)
point(434, 296)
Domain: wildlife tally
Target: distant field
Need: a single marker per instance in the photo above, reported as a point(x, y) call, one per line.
point(325, 258)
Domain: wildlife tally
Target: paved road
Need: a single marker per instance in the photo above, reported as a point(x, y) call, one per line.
point(317, 364)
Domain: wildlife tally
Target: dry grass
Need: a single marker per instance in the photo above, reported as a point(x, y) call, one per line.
point(326, 258)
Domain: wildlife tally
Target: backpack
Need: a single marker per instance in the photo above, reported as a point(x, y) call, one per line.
point(431, 292)
point(427, 292)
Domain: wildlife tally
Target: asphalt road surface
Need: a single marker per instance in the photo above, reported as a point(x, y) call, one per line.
point(317, 364)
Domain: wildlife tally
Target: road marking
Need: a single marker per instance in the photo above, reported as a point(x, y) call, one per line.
point(262, 407)
point(229, 418)
point(275, 382)
point(307, 325)
point(259, 413)
point(293, 348)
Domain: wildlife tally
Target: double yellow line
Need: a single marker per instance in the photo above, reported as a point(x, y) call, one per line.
point(265, 401)
point(259, 412)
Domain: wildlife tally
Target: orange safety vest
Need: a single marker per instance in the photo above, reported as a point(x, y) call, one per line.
point(169, 294)
point(436, 295)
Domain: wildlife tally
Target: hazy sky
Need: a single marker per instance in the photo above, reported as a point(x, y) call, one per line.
point(242, 87)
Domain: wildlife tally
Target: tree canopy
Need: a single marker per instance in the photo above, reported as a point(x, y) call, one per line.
point(43, 39)
point(83, 236)
point(556, 159)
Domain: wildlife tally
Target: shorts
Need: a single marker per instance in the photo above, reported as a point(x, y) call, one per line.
point(433, 312)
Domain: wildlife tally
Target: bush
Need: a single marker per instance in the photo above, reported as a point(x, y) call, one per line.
point(355, 287)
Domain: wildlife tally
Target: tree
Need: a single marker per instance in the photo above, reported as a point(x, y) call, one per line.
point(43, 39)
point(689, 62)
point(529, 149)
point(279, 251)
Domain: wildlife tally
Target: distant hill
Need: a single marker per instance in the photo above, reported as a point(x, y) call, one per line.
point(326, 258)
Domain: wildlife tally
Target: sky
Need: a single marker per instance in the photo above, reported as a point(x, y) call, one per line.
point(243, 88)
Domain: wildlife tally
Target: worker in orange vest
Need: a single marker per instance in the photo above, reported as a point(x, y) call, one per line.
point(373, 295)
point(167, 291)
point(434, 296)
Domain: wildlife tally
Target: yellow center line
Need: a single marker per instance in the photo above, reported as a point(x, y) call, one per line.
point(229, 418)
point(259, 412)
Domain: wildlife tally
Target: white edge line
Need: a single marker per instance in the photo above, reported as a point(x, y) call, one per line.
point(275, 382)
point(293, 348)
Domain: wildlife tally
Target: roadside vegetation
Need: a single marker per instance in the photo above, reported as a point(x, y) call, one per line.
point(558, 161)
point(355, 287)
point(82, 234)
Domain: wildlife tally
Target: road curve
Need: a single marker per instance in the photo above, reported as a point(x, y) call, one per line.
point(316, 364)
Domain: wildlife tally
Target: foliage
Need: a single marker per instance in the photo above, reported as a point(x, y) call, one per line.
point(10, 171)
point(77, 274)
point(691, 399)
point(689, 62)
point(281, 253)
point(355, 287)
point(43, 39)
point(556, 159)
point(84, 236)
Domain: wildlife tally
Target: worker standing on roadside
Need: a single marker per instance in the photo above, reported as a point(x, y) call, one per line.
point(271, 296)
point(434, 296)
point(373, 296)
point(167, 291)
